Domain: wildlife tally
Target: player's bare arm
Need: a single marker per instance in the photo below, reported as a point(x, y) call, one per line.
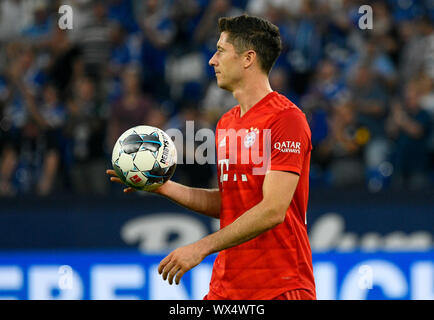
point(267, 214)
point(203, 201)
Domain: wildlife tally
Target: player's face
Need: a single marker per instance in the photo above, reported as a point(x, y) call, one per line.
point(227, 64)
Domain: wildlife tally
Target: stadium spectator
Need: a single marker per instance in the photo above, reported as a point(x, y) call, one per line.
point(52, 120)
point(214, 101)
point(417, 38)
point(15, 16)
point(42, 24)
point(131, 108)
point(260, 7)
point(326, 84)
point(158, 33)
point(380, 63)
point(121, 54)
point(85, 129)
point(206, 32)
point(340, 151)
point(82, 16)
point(280, 81)
point(184, 66)
point(63, 54)
point(409, 126)
point(206, 35)
point(122, 11)
point(305, 47)
point(95, 41)
point(370, 101)
point(190, 171)
point(21, 118)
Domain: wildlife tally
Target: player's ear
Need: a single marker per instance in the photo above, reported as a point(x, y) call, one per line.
point(249, 58)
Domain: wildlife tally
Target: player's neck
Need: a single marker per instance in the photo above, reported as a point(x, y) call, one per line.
point(252, 92)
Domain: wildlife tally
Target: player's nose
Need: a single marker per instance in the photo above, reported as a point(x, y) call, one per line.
point(213, 61)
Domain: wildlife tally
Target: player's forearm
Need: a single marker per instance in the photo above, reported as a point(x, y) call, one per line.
point(251, 224)
point(204, 201)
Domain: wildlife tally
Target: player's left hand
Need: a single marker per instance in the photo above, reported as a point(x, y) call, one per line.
point(179, 261)
point(114, 177)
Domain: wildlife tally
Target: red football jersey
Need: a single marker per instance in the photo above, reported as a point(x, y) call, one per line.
point(272, 135)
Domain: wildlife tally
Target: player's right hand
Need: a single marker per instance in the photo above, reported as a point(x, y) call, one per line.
point(114, 177)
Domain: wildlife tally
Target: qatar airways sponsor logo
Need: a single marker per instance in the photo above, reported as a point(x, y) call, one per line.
point(288, 146)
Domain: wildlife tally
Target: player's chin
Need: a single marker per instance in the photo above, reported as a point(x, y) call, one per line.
point(223, 85)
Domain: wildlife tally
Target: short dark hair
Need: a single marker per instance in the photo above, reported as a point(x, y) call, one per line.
point(249, 32)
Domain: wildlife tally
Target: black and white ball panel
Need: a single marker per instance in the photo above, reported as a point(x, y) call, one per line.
point(144, 157)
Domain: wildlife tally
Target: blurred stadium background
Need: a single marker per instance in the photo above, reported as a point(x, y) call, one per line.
point(66, 95)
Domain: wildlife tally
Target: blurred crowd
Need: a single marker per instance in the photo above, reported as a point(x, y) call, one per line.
point(67, 95)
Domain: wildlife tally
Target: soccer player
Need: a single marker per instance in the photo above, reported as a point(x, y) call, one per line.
point(263, 246)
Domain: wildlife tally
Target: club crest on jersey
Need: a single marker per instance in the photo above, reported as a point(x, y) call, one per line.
point(250, 137)
point(288, 146)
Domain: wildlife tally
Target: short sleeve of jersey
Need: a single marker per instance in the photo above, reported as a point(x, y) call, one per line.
point(290, 141)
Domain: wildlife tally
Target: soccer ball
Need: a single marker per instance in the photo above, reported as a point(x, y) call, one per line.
point(144, 157)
